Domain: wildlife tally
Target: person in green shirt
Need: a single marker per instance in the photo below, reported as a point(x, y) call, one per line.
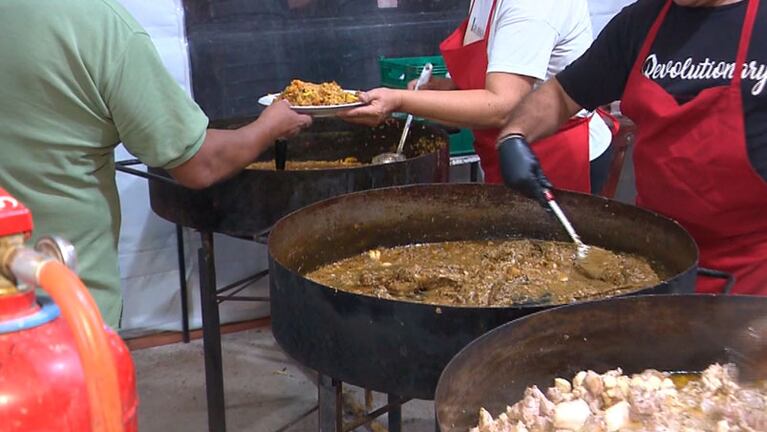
point(77, 77)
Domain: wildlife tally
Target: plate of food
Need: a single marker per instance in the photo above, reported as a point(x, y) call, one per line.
point(318, 100)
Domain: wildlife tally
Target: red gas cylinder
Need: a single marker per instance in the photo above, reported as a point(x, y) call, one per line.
point(42, 380)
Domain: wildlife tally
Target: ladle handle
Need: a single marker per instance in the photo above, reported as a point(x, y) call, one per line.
point(425, 76)
point(582, 248)
point(422, 79)
point(403, 138)
point(280, 154)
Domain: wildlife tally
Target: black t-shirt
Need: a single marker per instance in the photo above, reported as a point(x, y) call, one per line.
point(693, 46)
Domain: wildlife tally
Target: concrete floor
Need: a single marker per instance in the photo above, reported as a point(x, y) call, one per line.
point(265, 390)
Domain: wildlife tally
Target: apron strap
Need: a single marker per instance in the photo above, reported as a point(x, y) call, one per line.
point(651, 35)
point(615, 125)
point(490, 19)
point(745, 41)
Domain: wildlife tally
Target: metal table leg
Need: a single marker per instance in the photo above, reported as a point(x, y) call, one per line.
point(214, 371)
point(395, 413)
point(182, 283)
point(330, 399)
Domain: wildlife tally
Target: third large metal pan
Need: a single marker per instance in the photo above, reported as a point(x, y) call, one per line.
point(668, 333)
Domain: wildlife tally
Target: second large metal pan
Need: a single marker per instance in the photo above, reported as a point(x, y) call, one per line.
point(400, 347)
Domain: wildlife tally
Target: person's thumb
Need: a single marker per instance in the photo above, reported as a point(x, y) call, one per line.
point(365, 97)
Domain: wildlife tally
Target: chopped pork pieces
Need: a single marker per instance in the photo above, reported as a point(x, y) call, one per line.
point(649, 401)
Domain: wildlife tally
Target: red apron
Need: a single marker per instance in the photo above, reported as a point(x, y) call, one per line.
point(564, 156)
point(692, 165)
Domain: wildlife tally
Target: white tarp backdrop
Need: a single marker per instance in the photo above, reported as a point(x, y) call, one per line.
point(148, 259)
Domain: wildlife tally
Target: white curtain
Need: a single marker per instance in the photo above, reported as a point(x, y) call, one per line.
point(148, 258)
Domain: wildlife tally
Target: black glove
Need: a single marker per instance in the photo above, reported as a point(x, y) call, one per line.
point(520, 168)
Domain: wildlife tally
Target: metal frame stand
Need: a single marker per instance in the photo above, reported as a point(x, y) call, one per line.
point(211, 336)
point(210, 297)
point(330, 400)
point(235, 287)
point(125, 167)
point(185, 334)
point(331, 409)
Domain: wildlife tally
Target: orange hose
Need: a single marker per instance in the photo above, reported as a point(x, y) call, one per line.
point(82, 315)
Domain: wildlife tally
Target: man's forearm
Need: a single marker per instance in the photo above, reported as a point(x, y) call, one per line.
point(223, 154)
point(542, 112)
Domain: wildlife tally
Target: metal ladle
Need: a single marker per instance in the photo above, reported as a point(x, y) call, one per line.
point(581, 248)
point(590, 261)
point(385, 158)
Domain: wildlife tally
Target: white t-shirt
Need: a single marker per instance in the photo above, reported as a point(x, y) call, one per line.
point(537, 38)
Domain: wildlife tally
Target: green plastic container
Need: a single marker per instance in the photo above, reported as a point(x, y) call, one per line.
point(462, 143)
point(396, 72)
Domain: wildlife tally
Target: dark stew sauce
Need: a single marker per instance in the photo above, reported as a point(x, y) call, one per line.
point(488, 273)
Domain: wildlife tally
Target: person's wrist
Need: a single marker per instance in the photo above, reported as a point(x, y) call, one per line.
point(262, 132)
point(509, 136)
point(398, 101)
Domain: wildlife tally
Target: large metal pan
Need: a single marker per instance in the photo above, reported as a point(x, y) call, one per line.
point(254, 200)
point(669, 333)
point(399, 347)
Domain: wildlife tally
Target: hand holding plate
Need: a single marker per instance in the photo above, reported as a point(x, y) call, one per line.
point(282, 121)
point(380, 104)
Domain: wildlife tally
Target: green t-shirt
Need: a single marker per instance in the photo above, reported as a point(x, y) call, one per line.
point(76, 78)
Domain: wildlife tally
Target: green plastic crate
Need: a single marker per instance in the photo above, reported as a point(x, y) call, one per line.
point(396, 72)
point(462, 142)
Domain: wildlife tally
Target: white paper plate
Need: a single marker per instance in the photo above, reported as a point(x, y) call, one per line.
point(314, 111)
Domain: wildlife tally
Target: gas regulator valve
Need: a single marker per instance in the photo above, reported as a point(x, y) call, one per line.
point(16, 227)
point(59, 249)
